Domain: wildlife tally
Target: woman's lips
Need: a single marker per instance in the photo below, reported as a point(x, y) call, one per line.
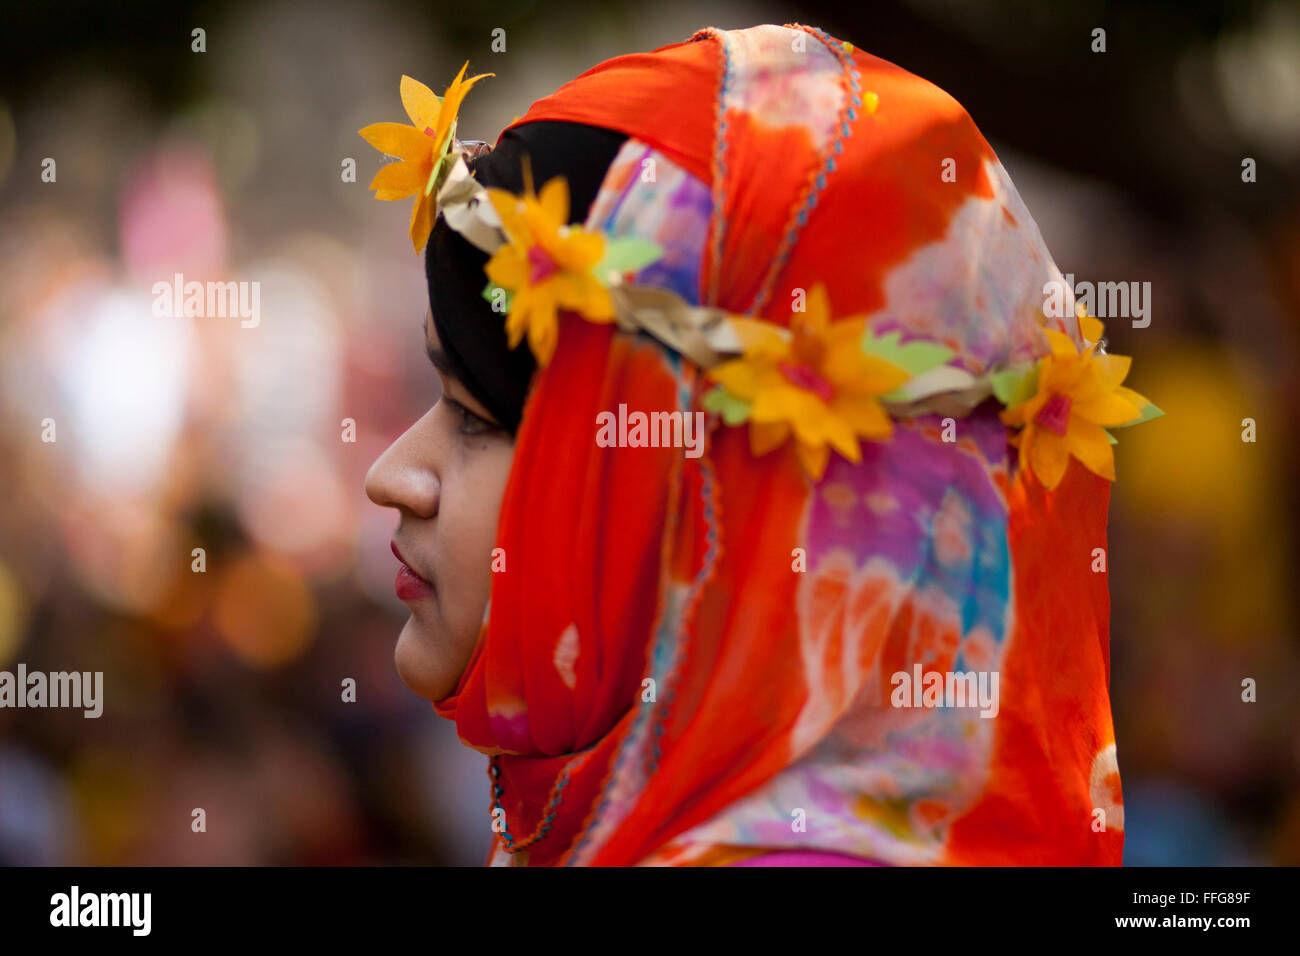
point(409, 585)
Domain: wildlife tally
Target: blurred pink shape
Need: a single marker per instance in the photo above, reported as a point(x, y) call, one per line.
point(171, 217)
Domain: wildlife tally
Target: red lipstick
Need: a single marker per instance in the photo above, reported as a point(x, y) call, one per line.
point(409, 585)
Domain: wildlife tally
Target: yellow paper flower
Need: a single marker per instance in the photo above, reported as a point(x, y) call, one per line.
point(546, 265)
point(421, 147)
point(1078, 395)
point(818, 383)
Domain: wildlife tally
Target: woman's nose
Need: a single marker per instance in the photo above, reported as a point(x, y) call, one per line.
point(403, 478)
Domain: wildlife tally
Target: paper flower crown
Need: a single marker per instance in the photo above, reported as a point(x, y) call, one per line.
point(828, 383)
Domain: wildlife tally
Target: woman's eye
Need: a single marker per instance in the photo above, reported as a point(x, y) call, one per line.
point(469, 423)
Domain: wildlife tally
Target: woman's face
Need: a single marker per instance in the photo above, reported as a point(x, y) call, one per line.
point(445, 476)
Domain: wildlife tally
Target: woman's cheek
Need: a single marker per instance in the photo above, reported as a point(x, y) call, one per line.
point(470, 520)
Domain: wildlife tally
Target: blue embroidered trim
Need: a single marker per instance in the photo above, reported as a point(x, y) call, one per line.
point(552, 807)
point(707, 567)
point(853, 104)
point(718, 229)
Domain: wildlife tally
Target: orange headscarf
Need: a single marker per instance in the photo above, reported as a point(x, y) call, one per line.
point(695, 659)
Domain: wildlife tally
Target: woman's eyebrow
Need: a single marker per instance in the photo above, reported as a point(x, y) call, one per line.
point(440, 360)
point(436, 355)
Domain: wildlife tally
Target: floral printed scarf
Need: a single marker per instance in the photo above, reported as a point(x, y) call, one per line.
point(695, 660)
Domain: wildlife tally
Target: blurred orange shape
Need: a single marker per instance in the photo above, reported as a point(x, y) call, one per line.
point(264, 610)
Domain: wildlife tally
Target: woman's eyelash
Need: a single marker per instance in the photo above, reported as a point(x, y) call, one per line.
point(470, 424)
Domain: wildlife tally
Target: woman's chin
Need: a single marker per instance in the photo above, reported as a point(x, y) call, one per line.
point(419, 664)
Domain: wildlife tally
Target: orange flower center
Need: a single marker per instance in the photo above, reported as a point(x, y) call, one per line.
point(803, 376)
point(542, 264)
point(1055, 413)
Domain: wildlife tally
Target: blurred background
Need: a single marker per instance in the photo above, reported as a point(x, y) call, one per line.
point(223, 688)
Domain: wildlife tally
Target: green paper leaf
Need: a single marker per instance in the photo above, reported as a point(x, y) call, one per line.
point(1111, 438)
point(1149, 411)
point(445, 161)
point(914, 357)
point(491, 288)
point(1015, 385)
point(627, 254)
point(732, 409)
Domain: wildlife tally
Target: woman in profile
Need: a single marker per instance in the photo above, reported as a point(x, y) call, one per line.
point(859, 621)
